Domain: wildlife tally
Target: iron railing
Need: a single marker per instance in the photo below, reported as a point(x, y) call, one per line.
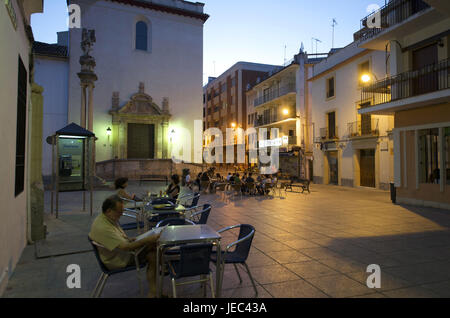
point(262, 120)
point(431, 78)
point(392, 13)
point(363, 128)
point(274, 93)
point(328, 134)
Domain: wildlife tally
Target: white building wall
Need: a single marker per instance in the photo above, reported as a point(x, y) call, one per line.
point(345, 104)
point(173, 68)
point(13, 214)
point(53, 75)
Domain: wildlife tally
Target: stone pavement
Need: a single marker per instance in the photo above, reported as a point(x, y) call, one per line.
point(306, 245)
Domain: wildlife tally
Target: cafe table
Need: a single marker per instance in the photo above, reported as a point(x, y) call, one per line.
point(150, 211)
point(184, 234)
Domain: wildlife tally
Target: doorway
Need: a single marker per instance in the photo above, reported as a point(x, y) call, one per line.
point(367, 167)
point(424, 59)
point(333, 167)
point(141, 141)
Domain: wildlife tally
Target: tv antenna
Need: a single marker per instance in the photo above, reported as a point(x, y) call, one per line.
point(312, 47)
point(333, 25)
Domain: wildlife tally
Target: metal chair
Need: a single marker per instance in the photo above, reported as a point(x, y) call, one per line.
point(134, 214)
point(201, 217)
point(194, 261)
point(240, 253)
point(251, 188)
point(106, 272)
point(194, 202)
point(175, 222)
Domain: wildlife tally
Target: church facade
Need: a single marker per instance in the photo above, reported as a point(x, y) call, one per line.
point(149, 65)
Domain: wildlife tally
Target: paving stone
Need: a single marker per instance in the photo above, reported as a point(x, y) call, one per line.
point(339, 286)
point(294, 289)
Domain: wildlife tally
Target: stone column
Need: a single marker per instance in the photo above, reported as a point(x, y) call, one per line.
point(165, 144)
point(91, 107)
point(83, 107)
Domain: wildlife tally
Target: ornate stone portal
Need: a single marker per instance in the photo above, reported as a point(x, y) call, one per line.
point(140, 109)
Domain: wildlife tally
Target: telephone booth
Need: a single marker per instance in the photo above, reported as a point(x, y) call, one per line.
point(72, 163)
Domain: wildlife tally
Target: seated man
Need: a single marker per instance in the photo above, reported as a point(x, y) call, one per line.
point(106, 231)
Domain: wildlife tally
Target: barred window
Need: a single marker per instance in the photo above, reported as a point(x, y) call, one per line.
point(429, 165)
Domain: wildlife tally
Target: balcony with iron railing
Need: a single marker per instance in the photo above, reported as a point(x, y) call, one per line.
point(274, 94)
point(391, 14)
point(429, 79)
point(262, 120)
point(328, 134)
point(363, 128)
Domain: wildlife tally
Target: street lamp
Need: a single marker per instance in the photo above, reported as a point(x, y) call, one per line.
point(233, 125)
point(285, 111)
point(368, 77)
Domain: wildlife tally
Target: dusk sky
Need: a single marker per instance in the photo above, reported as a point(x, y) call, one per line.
point(259, 31)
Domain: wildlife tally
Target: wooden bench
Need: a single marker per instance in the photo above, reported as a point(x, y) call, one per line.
point(153, 177)
point(303, 184)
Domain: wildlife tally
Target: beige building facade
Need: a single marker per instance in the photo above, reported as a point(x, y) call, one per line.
point(282, 101)
point(417, 93)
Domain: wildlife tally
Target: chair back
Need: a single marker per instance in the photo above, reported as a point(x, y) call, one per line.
point(174, 222)
point(97, 256)
point(194, 260)
point(243, 248)
point(195, 200)
point(202, 216)
point(251, 185)
point(237, 187)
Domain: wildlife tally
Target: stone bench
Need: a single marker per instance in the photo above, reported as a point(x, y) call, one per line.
point(153, 177)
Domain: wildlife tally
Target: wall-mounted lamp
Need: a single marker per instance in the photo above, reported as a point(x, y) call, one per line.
point(368, 77)
point(108, 131)
point(233, 125)
point(172, 134)
point(285, 111)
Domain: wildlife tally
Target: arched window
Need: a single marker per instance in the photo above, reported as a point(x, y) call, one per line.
point(141, 36)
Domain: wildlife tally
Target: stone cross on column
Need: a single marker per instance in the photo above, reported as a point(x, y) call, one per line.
point(87, 79)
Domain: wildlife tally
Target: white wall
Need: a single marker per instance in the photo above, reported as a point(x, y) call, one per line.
point(52, 74)
point(13, 214)
point(345, 103)
point(173, 68)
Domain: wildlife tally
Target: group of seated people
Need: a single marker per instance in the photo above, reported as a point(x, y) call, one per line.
point(171, 193)
point(247, 180)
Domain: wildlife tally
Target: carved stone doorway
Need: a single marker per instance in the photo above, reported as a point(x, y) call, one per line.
point(140, 127)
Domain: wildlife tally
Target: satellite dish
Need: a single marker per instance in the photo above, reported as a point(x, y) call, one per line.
point(49, 140)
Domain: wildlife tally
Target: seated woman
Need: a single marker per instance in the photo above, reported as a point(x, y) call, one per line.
point(121, 184)
point(172, 191)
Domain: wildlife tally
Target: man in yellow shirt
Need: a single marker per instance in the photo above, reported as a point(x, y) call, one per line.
point(106, 231)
